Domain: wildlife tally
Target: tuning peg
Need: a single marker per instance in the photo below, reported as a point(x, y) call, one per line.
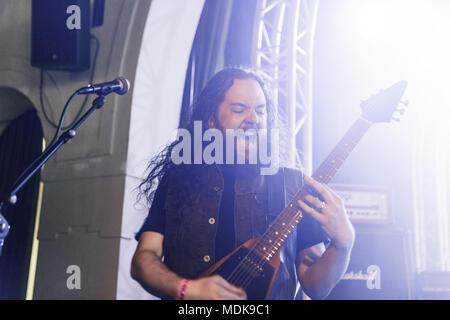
point(401, 111)
point(396, 119)
point(404, 102)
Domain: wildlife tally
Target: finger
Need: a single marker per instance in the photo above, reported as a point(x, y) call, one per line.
point(233, 294)
point(316, 215)
point(333, 193)
point(231, 288)
point(319, 188)
point(317, 203)
point(227, 295)
point(337, 200)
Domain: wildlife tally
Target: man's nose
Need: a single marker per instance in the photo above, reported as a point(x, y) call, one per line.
point(252, 117)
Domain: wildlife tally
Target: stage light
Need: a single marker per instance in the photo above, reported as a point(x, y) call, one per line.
point(389, 40)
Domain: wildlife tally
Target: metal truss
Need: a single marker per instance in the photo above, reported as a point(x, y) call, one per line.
point(282, 54)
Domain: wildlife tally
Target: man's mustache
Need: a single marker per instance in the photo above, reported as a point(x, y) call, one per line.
point(249, 127)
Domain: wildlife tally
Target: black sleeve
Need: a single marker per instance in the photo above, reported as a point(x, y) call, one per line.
point(155, 220)
point(310, 233)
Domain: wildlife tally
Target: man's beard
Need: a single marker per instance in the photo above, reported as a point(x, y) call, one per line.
point(246, 146)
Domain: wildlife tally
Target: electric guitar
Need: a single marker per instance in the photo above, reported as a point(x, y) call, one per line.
point(254, 265)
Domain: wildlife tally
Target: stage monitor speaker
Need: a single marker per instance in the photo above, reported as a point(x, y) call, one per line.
point(60, 34)
point(380, 267)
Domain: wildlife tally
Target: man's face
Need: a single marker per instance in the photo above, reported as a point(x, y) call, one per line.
point(244, 107)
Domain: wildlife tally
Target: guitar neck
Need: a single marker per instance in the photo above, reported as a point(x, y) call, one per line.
point(341, 151)
point(286, 221)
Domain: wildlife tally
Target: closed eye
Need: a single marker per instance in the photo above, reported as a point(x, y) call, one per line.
point(238, 107)
point(261, 110)
point(237, 110)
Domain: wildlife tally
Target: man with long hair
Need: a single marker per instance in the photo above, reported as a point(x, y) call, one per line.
point(201, 210)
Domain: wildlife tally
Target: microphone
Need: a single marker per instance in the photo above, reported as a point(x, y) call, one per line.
point(120, 86)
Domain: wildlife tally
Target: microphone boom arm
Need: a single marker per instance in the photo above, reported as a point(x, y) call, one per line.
point(30, 171)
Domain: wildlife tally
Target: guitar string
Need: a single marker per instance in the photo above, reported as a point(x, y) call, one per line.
point(238, 272)
point(243, 277)
point(246, 281)
point(246, 258)
point(260, 260)
point(246, 277)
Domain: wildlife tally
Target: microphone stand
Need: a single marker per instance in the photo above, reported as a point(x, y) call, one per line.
point(31, 170)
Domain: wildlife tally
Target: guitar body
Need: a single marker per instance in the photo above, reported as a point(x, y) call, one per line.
point(244, 269)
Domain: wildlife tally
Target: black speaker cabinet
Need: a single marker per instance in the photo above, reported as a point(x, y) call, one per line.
point(60, 34)
point(380, 267)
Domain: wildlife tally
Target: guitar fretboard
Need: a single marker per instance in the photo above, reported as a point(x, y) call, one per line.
point(278, 231)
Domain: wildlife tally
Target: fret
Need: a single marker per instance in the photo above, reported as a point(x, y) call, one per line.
point(272, 240)
point(339, 154)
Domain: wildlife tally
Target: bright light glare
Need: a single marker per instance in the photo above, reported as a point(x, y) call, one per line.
point(415, 36)
point(393, 40)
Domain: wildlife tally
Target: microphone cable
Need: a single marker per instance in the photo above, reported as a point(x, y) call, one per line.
point(59, 126)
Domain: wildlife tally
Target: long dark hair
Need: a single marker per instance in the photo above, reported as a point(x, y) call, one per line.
point(203, 109)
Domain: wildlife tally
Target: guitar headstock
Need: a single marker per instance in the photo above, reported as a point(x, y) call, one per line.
point(381, 107)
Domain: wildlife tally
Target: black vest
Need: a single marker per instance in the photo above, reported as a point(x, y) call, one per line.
point(192, 214)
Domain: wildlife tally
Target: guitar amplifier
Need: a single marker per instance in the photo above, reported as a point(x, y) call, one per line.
point(380, 267)
point(366, 205)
